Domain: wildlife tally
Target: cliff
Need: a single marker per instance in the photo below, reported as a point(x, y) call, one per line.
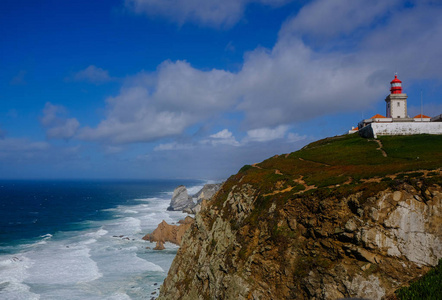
point(342, 217)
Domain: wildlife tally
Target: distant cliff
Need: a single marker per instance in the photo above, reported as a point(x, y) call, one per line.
point(342, 217)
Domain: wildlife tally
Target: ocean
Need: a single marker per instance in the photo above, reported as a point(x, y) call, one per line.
point(82, 239)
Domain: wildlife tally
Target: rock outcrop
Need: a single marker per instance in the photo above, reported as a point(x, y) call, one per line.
point(312, 249)
point(181, 200)
point(169, 233)
point(207, 192)
point(272, 232)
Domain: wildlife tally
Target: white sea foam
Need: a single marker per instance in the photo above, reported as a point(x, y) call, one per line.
point(63, 264)
point(124, 226)
point(108, 261)
point(119, 296)
point(13, 270)
point(17, 291)
point(97, 233)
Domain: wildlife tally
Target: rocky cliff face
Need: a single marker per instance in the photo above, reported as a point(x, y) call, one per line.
point(180, 199)
point(272, 232)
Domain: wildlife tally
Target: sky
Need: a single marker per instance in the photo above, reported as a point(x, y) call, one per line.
point(143, 89)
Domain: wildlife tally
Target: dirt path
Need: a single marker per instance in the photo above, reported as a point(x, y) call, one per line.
point(288, 189)
point(312, 161)
point(384, 154)
point(302, 182)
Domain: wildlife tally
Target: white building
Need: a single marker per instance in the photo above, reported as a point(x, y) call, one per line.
point(397, 121)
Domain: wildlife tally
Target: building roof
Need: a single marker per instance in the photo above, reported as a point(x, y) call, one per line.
point(378, 116)
point(421, 116)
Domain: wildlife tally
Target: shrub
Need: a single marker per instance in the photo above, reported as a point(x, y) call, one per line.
point(428, 287)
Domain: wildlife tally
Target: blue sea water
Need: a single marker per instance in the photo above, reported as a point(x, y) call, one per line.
point(82, 239)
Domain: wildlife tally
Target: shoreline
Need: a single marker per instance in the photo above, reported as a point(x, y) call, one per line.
point(95, 255)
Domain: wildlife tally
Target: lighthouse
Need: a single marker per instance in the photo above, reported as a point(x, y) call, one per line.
point(396, 101)
point(397, 121)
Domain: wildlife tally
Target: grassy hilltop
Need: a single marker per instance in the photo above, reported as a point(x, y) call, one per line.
point(351, 157)
point(342, 217)
point(346, 163)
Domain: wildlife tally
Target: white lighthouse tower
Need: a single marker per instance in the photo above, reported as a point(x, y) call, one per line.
point(396, 101)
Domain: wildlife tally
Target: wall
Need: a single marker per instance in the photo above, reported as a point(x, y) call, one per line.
point(405, 128)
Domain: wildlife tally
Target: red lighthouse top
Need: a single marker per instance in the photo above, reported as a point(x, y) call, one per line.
point(396, 86)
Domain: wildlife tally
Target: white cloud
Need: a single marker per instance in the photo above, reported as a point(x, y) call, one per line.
point(327, 19)
point(163, 104)
point(223, 137)
point(173, 146)
point(93, 74)
point(297, 80)
point(295, 137)
point(206, 12)
point(223, 134)
point(266, 134)
point(21, 148)
point(55, 123)
point(293, 82)
point(409, 43)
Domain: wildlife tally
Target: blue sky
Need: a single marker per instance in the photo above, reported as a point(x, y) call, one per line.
point(198, 88)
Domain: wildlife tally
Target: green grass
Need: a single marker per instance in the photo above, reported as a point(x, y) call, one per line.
point(343, 150)
point(428, 287)
point(343, 159)
point(421, 148)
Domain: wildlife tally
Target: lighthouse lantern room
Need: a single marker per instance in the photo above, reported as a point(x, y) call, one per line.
point(396, 101)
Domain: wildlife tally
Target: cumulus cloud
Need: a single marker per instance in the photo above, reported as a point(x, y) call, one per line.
point(298, 80)
point(211, 13)
point(410, 42)
point(223, 137)
point(326, 19)
point(180, 97)
point(56, 124)
point(295, 81)
point(266, 134)
point(387, 35)
point(223, 134)
point(92, 74)
point(173, 146)
point(291, 83)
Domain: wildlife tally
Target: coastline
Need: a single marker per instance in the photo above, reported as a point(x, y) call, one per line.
point(96, 259)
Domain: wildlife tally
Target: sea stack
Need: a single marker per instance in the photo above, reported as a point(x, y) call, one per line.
point(180, 199)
